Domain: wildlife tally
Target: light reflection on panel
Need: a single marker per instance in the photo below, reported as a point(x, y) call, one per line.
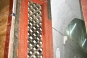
point(76, 31)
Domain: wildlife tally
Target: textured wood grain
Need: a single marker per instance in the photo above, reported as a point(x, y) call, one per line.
point(4, 10)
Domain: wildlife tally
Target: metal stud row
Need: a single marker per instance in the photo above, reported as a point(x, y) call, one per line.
point(34, 30)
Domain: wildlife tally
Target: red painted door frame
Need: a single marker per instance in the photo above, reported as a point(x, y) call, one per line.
point(46, 30)
point(23, 30)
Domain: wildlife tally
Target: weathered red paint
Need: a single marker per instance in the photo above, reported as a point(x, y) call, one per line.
point(84, 10)
point(46, 33)
point(23, 29)
point(8, 30)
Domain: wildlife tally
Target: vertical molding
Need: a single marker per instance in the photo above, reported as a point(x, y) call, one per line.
point(23, 30)
point(8, 30)
point(11, 42)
